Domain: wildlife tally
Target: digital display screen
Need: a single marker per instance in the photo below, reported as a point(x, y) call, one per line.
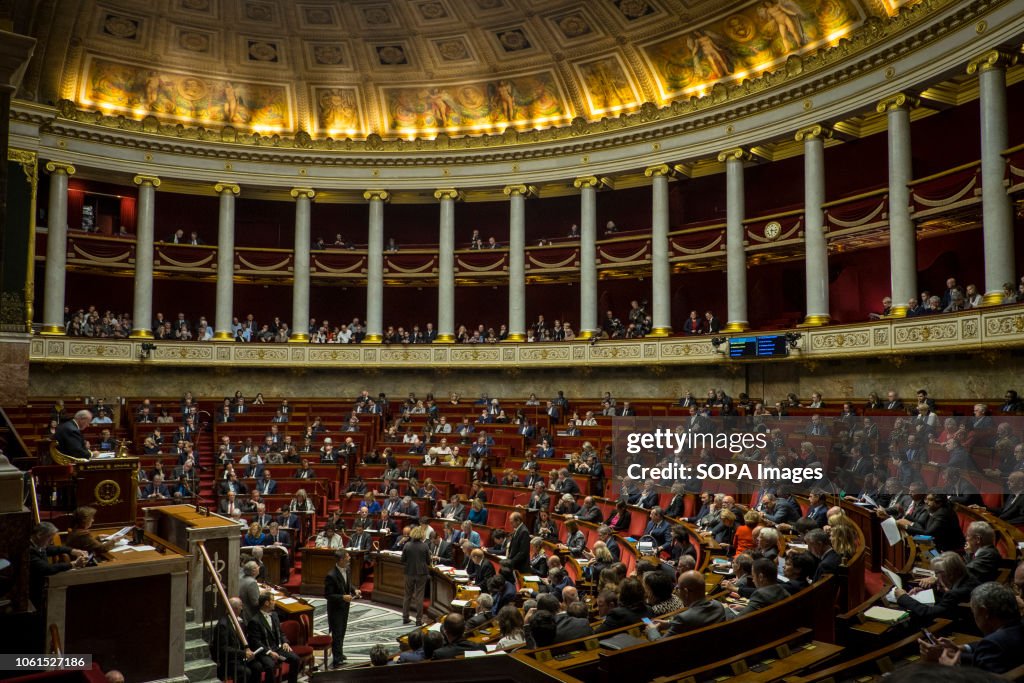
point(770, 346)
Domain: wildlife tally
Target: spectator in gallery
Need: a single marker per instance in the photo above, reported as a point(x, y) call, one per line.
point(392, 246)
point(712, 325)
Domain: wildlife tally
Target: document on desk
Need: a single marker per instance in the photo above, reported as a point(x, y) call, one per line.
point(897, 582)
point(287, 601)
point(891, 531)
point(121, 548)
point(475, 653)
point(141, 548)
point(925, 597)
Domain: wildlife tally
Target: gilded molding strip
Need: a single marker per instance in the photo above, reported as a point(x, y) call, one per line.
point(882, 205)
point(182, 264)
point(714, 243)
point(340, 271)
point(431, 264)
point(781, 238)
point(946, 200)
point(644, 250)
point(483, 269)
point(122, 258)
point(264, 268)
point(551, 266)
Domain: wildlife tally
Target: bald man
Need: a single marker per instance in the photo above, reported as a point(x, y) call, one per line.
point(234, 659)
point(699, 610)
point(70, 440)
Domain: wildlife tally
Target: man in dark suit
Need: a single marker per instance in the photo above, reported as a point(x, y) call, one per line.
point(416, 568)
point(821, 547)
point(40, 567)
point(983, 558)
point(567, 627)
point(69, 435)
point(453, 629)
point(539, 500)
point(768, 591)
point(234, 660)
point(699, 610)
point(1013, 509)
point(267, 485)
point(440, 550)
point(360, 539)
point(995, 612)
point(942, 524)
point(519, 544)
point(339, 593)
point(893, 401)
point(264, 631)
point(480, 569)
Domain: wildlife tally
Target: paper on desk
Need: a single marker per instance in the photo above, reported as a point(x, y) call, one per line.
point(475, 653)
point(460, 603)
point(531, 578)
point(436, 626)
point(141, 548)
point(897, 582)
point(121, 548)
point(891, 531)
point(287, 601)
point(491, 647)
point(925, 597)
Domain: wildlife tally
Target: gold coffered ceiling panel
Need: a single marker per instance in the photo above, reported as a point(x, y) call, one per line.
point(417, 68)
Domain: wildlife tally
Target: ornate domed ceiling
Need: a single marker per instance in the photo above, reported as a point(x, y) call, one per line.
point(416, 67)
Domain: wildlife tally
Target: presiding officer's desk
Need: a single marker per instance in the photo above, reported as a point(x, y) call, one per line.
point(389, 585)
point(128, 612)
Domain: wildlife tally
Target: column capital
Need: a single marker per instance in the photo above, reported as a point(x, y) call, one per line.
point(448, 193)
point(993, 59)
point(146, 180)
point(54, 166)
point(307, 192)
point(900, 100)
point(376, 195)
point(591, 181)
point(734, 154)
point(661, 170)
point(223, 187)
point(814, 132)
point(519, 190)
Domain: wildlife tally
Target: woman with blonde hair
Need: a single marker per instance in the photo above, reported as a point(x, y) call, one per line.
point(844, 540)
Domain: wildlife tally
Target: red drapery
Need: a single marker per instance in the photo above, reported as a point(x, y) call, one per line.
point(128, 214)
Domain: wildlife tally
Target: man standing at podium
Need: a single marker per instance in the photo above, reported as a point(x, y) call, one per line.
point(339, 593)
point(69, 435)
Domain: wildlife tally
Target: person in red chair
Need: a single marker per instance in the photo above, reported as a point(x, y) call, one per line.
point(264, 632)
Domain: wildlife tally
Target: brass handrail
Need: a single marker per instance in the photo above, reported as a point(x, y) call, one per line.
point(223, 593)
point(55, 646)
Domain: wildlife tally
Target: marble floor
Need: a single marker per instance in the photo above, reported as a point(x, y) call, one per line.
point(368, 624)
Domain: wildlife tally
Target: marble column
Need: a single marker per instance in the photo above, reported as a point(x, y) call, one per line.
point(735, 238)
point(588, 256)
point(815, 244)
point(142, 311)
point(300, 286)
point(902, 237)
point(225, 261)
point(375, 268)
point(661, 270)
point(56, 247)
point(446, 267)
point(997, 209)
point(517, 195)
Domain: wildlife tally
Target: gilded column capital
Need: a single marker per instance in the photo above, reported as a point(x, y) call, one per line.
point(448, 193)
point(734, 154)
point(222, 187)
point(993, 59)
point(376, 195)
point(519, 190)
point(660, 170)
point(54, 166)
point(307, 192)
point(814, 132)
point(587, 181)
point(146, 180)
point(900, 100)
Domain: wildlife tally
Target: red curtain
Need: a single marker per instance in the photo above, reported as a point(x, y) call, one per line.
point(128, 214)
point(76, 199)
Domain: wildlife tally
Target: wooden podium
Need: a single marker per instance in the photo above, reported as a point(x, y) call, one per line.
point(184, 527)
point(109, 485)
point(129, 613)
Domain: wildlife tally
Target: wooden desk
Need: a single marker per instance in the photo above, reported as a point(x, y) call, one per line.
point(184, 527)
point(147, 592)
point(389, 585)
point(272, 557)
point(318, 562)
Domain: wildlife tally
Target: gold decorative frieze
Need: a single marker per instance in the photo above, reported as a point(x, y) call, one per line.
point(969, 332)
point(993, 59)
point(221, 188)
point(376, 195)
point(900, 100)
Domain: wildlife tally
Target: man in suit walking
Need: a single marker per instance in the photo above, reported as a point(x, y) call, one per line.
point(519, 544)
point(264, 631)
point(416, 567)
point(339, 593)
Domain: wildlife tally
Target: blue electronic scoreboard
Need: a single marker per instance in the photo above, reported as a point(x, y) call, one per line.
point(768, 346)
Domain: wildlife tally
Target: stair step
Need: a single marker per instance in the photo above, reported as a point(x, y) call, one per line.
point(197, 649)
point(200, 671)
point(190, 613)
point(193, 631)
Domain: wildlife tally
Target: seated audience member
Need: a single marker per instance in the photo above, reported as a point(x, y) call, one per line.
point(995, 612)
point(627, 608)
point(983, 558)
point(80, 538)
point(767, 589)
point(953, 586)
point(700, 611)
point(453, 629)
point(942, 524)
point(484, 605)
point(828, 560)
point(659, 588)
point(329, 539)
point(511, 627)
point(798, 569)
point(620, 518)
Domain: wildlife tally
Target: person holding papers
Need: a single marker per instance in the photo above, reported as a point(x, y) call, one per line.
point(954, 587)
